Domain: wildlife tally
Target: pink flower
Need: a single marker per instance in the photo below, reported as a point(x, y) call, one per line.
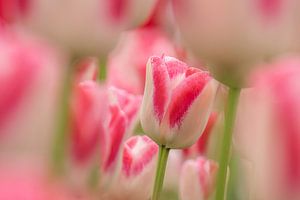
point(89, 111)
point(89, 27)
point(127, 65)
point(30, 72)
point(137, 169)
point(197, 179)
point(177, 102)
point(101, 118)
point(232, 36)
point(268, 131)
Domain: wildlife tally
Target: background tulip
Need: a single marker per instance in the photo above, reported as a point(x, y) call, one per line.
point(197, 179)
point(233, 36)
point(91, 27)
point(272, 147)
point(137, 169)
point(176, 103)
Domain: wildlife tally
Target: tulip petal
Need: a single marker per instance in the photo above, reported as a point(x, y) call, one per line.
point(184, 95)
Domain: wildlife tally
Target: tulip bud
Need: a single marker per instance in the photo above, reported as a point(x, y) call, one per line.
point(273, 108)
point(176, 103)
point(197, 179)
point(90, 27)
point(232, 36)
point(89, 109)
point(137, 171)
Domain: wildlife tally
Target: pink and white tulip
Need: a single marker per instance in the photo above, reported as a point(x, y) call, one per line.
point(85, 27)
point(137, 171)
point(101, 117)
point(30, 75)
point(268, 131)
point(177, 102)
point(197, 179)
point(232, 36)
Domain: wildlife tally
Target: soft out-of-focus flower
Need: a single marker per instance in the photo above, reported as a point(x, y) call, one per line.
point(89, 111)
point(85, 27)
point(268, 131)
point(199, 147)
point(233, 36)
point(177, 102)
point(197, 179)
point(127, 65)
point(30, 73)
point(101, 117)
point(137, 171)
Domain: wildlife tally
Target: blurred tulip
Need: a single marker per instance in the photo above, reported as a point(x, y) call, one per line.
point(137, 171)
point(30, 73)
point(233, 36)
point(89, 111)
point(85, 27)
point(177, 102)
point(268, 131)
point(197, 179)
point(127, 65)
point(101, 118)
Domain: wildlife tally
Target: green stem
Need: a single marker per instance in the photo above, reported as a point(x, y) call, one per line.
point(60, 137)
point(230, 114)
point(160, 171)
point(102, 70)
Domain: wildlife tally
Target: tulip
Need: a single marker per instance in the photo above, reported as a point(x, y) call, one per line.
point(29, 83)
point(126, 65)
point(275, 131)
point(89, 109)
point(85, 27)
point(197, 179)
point(232, 36)
point(177, 102)
point(175, 108)
point(137, 169)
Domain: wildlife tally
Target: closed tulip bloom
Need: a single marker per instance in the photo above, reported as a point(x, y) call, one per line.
point(89, 109)
point(234, 35)
point(102, 118)
point(197, 179)
point(274, 171)
point(137, 170)
point(89, 27)
point(177, 102)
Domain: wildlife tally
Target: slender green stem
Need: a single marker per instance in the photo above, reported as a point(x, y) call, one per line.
point(160, 171)
point(230, 114)
point(62, 126)
point(102, 70)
